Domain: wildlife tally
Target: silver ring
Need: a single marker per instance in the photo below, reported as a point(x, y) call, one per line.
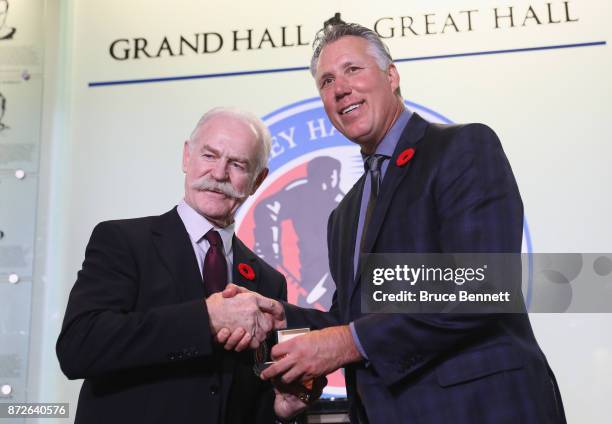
point(304, 397)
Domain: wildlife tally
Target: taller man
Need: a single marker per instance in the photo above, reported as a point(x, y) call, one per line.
point(457, 195)
point(143, 313)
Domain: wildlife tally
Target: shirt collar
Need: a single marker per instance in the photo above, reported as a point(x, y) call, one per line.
point(197, 226)
point(387, 146)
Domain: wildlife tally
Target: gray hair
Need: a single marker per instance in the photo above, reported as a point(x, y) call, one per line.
point(333, 32)
point(263, 134)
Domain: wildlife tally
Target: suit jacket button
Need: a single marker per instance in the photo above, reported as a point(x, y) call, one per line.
point(214, 389)
point(171, 356)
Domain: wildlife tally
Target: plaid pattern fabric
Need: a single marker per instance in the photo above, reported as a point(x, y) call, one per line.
point(457, 194)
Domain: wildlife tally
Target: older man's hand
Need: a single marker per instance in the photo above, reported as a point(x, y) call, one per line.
point(313, 354)
point(238, 338)
point(292, 399)
point(247, 317)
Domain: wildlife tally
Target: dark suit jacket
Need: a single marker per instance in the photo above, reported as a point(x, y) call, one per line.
point(457, 194)
point(136, 329)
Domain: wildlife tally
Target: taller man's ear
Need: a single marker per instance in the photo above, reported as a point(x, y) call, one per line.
point(185, 156)
point(262, 176)
point(393, 76)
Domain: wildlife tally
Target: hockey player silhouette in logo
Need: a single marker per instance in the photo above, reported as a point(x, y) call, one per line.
point(6, 32)
point(306, 203)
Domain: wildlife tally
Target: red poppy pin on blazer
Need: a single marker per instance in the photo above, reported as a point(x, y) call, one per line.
point(405, 157)
point(246, 271)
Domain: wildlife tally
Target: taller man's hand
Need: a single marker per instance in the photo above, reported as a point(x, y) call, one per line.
point(313, 354)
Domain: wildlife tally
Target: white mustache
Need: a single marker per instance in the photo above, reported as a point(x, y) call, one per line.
point(208, 184)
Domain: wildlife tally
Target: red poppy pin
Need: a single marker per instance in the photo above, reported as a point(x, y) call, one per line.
point(246, 271)
point(405, 157)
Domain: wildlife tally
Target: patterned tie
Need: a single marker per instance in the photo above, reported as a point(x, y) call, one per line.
point(372, 165)
point(215, 266)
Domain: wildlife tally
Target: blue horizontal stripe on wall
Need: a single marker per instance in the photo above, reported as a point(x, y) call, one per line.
point(305, 68)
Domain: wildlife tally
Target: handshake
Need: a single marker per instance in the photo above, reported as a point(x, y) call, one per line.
point(240, 318)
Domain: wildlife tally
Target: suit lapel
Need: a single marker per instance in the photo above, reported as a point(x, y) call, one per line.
point(348, 225)
point(411, 135)
point(176, 252)
point(242, 255)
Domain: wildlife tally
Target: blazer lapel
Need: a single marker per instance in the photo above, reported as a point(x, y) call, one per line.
point(244, 261)
point(412, 134)
point(347, 217)
point(176, 252)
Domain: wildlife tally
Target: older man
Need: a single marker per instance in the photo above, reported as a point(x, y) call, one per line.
point(143, 313)
point(457, 194)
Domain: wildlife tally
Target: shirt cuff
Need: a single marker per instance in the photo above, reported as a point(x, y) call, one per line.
point(356, 340)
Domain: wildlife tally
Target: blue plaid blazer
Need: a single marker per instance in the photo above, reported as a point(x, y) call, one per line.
point(457, 194)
